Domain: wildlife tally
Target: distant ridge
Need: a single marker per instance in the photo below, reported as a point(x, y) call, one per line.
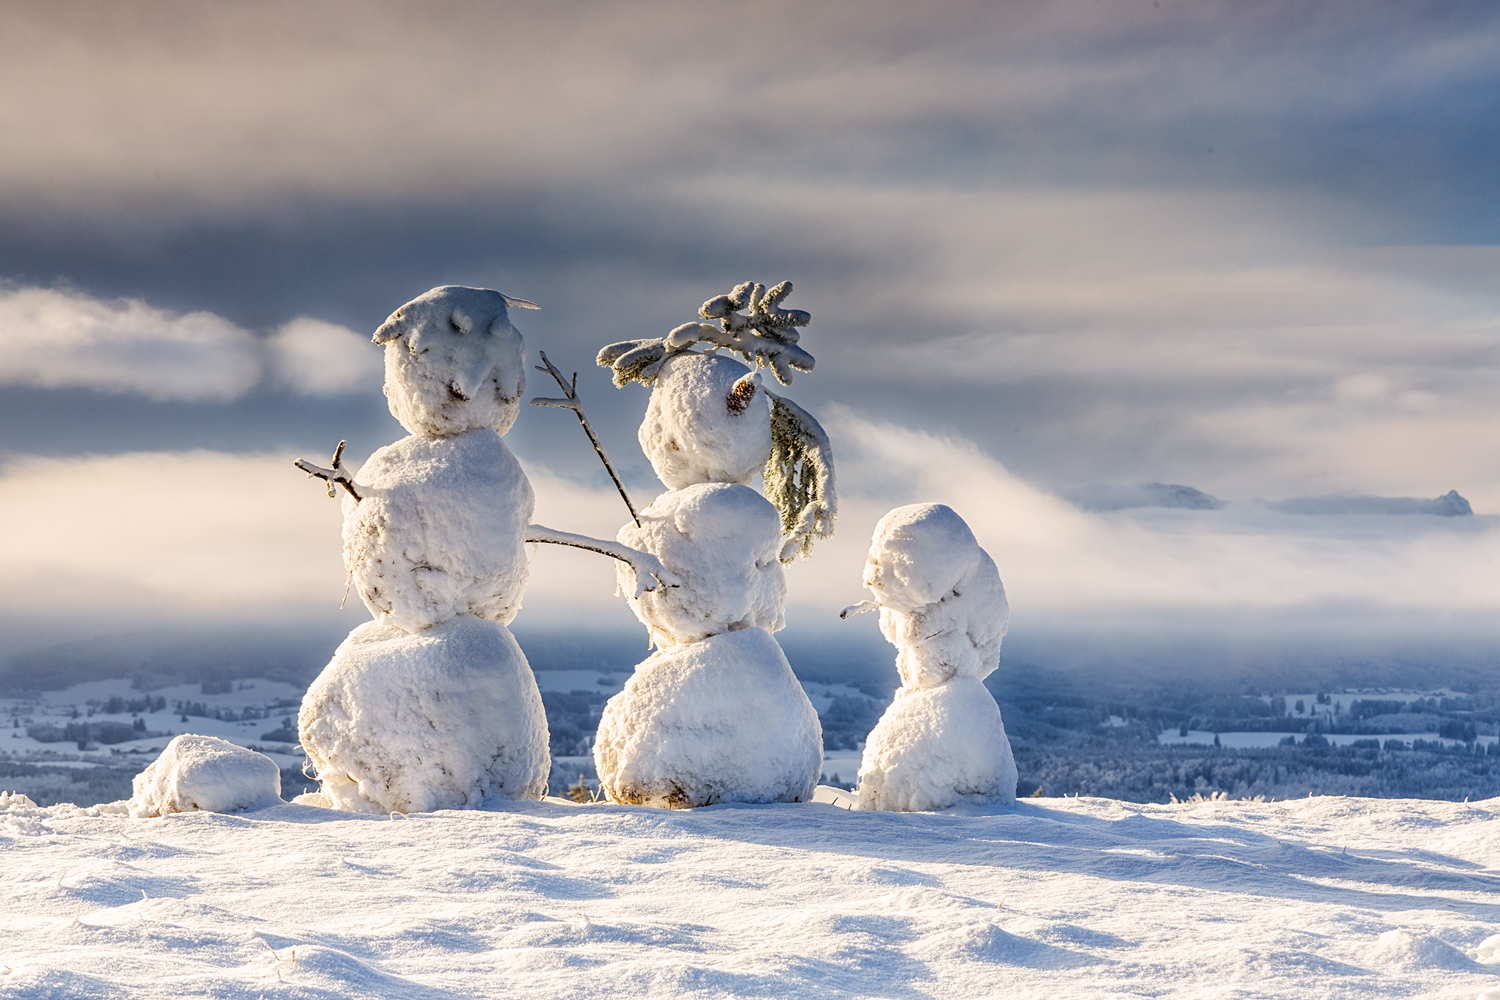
point(1450, 504)
point(1103, 498)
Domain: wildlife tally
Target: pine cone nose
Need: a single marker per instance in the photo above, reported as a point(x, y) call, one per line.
point(742, 392)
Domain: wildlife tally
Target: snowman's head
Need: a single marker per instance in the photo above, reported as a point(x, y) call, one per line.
point(453, 362)
point(918, 555)
point(708, 421)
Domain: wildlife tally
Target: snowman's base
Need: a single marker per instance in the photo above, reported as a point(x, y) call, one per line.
point(720, 720)
point(938, 747)
point(447, 718)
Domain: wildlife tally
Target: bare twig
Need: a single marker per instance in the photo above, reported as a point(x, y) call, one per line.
point(338, 475)
point(570, 402)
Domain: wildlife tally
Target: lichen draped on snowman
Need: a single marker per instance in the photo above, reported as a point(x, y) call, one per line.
point(432, 705)
point(716, 714)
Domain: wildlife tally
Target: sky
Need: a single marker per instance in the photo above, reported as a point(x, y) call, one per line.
point(1048, 248)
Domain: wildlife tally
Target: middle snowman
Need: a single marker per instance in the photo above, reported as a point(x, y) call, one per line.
point(716, 714)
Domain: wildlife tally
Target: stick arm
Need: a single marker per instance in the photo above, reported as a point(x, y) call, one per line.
point(859, 609)
point(649, 571)
point(336, 476)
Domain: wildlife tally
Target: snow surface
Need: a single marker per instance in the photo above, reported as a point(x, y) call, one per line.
point(207, 773)
point(445, 718)
point(1324, 897)
point(440, 530)
point(691, 434)
point(719, 720)
point(723, 541)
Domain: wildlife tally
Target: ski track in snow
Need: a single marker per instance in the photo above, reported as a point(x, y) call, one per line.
point(1323, 897)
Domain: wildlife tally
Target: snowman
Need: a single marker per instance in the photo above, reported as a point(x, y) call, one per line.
point(716, 714)
point(432, 705)
point(941, 742)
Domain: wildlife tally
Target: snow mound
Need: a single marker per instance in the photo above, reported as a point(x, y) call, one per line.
point(439, 531)
point(942, 603)
point(1403, 949)
point(1488, 951)
point(205, 773)
point(723, 541)
point(695, 432)
point(938, 747)
point(448, 718)
point(721, 720)
point(453, 362)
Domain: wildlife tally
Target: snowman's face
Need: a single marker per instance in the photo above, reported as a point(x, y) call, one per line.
point(918, 555)
point(453, 362)
point(708, 421)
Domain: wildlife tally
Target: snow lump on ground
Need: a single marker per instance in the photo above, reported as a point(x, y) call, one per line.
point(205, 773)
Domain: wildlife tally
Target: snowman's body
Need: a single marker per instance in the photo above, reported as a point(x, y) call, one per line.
point(716, 714)
point(433, 705)
point(941, 742)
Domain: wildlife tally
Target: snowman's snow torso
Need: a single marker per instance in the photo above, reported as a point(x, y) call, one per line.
point(722, 540)
point(957, 636)
point(447, 718)
point(719, 720)
point(937, 747)
point(440, 530)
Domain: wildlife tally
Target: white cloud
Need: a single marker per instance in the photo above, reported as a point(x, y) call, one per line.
point(197, 534)
point(1059, 562)
point(168, 534)
point(60, 339)
point(318, 358)
point(63, 339)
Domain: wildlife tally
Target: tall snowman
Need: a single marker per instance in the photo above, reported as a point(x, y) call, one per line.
point(941, 742)
point(716, 714)
point(432, 705)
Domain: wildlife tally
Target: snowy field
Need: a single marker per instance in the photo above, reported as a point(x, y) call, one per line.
point(1325, 897)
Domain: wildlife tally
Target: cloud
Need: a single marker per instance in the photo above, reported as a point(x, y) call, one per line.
point(168, 535)
point(317, 358)
point(60, 339)
point(1061, 563)
point(164, 536)
point(223, 105)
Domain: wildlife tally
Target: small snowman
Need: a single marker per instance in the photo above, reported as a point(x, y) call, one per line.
point(432, 705)
point(716, 714)
point(941, 742)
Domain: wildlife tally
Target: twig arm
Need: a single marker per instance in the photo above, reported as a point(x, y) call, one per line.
point(570, 402)
point(859, 609)
point(336, 476)
point(649, 571)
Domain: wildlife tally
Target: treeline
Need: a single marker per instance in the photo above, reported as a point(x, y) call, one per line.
point(1148, 772)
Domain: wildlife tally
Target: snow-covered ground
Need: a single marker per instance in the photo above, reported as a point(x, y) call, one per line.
point(1324, 897)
